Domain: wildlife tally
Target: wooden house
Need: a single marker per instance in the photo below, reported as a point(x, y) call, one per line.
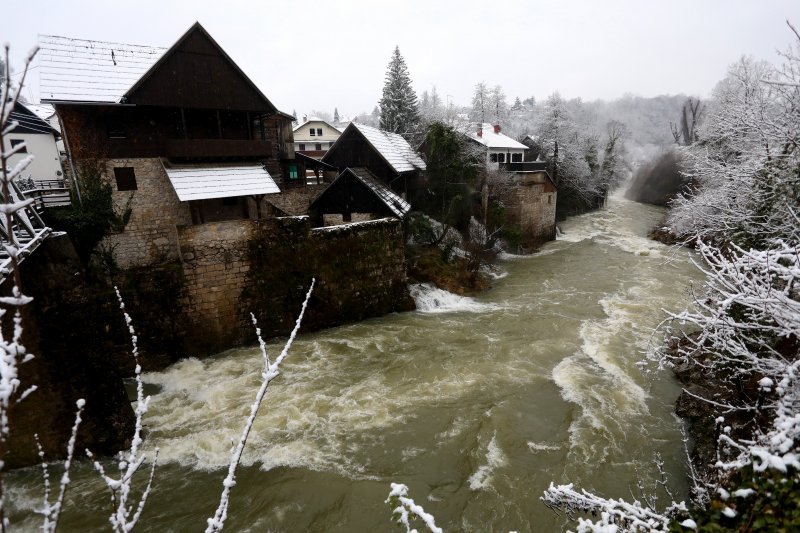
point(388, 156)
point(356, 196)
point(182, 134)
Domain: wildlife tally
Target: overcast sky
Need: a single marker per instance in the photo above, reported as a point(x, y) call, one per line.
point(308, 55)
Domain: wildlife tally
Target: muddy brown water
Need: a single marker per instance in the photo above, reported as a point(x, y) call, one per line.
point(477, 404)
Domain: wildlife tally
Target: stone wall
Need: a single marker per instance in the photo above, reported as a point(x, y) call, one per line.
point(529, 200)
point(67, 328)
point(150, 236)
point(537, 214)
point(265, 266)
point(295, 202)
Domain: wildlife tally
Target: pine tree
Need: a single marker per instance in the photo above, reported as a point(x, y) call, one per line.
point(398, 106)
point(335, 115)
point(294, 115)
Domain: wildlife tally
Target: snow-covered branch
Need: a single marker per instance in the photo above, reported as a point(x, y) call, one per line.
point(126, 514)
point(270, 372)
point(407, 510)
point(615, 515)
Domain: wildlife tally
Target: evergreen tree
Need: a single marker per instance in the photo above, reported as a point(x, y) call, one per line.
point(335, 114)
point(294, 114)
point(398, 106)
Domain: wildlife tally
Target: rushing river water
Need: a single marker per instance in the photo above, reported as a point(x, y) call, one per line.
point(476, 404)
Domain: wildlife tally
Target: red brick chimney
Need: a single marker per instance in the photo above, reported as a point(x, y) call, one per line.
point(480, 130)
point(497, 128)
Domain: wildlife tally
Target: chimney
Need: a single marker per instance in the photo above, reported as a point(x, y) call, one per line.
point(497, 128)
point(305, 118)
point(480, 130)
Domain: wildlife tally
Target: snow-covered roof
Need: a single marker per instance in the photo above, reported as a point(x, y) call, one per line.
point(393, 147)
point(79, 70)
point(490, 139)
point(397, 205)
point(195, 182)
point(43, 111)
point(315, 120)
point(29, 122)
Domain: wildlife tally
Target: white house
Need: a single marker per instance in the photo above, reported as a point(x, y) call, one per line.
point(314, 136)
point(40, 140)
point(500, 148)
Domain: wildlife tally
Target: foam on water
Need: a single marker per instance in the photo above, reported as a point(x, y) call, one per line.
point(431, 299)
point(495, 458)
point(536, 447)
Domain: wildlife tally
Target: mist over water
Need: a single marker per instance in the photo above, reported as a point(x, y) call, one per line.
point(476, 403)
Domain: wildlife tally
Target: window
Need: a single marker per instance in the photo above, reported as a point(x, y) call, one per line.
point(116, 130)
point(318, 147)
point(493, 158)
point(17, 142)
point(126, 178)
point(319, 132)
point(516, 158)
point(501, 158)
point(292, 172)
point(549, 198)
point(302, 146)
point(313, 132)
point(330, 144)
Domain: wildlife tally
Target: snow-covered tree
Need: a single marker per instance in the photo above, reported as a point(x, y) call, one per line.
point(497, 104)
point(398, 105)
point(481, 107)
point(745, 167)
point(335, 114)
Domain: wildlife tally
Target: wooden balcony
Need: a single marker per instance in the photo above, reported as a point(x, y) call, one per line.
point(217, 148)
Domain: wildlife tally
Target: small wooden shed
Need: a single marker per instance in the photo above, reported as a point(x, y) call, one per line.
point(356, 196)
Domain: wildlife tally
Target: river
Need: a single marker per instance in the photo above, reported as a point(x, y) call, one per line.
point(476, 404)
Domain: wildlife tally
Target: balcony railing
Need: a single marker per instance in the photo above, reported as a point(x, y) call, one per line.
point(526, 166)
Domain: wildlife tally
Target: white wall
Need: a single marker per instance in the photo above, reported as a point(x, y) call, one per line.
point(46, 163)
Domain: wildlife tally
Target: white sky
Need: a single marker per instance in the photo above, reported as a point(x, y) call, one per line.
point(307, 55)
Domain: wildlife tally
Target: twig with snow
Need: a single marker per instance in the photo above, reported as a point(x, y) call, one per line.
point(270, 372)
point(125, 516)
point(407, 509)
point(52, 511)
point(12, 351)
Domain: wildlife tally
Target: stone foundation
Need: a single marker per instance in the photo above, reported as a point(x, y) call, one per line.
point(265, 267)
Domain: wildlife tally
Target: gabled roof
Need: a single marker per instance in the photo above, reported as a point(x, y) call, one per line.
point(490, 139)
point(79, 70)
point(202, 182)
point(395, 204)
point(314, 119)
point(392, 147)
point(197, 28)
point(43, 111)
point(29, 122)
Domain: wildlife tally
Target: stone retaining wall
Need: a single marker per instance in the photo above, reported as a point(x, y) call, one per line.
point(265, 267)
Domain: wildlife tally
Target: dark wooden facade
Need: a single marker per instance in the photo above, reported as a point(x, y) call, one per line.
point(193, 105)
point(347, 195)
point(353, 150)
